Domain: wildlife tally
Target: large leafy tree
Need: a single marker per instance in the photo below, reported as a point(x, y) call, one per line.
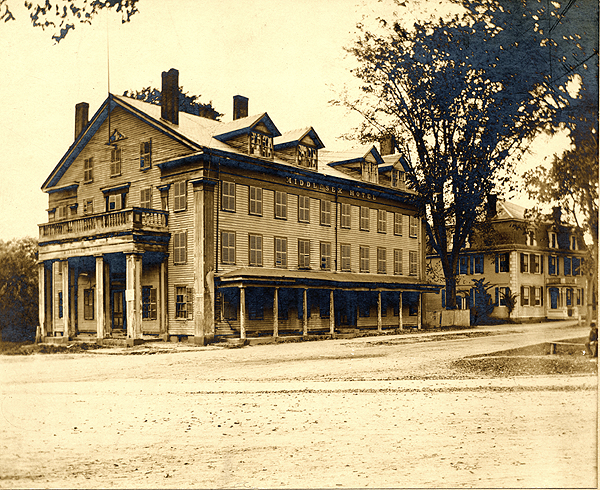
point(187, 103)
point(18, 289)
point(463, 97)
point(62, 15)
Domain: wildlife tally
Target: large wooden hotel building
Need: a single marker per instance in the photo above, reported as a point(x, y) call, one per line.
point(162, 223)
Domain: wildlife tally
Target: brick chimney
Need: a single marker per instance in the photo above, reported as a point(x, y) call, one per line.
point(169, 106)
point(387, 144)
point(240, 107)
point(81, 117)
point(492, 206)
point(556, 214)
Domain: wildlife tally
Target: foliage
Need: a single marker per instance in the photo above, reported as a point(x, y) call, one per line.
point(510, 300)
point(62, 15)
point(460, 108)
point(187, 103)
point(483, 305)
point(18, 289)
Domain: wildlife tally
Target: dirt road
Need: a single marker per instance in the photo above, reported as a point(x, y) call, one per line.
point(377, 412)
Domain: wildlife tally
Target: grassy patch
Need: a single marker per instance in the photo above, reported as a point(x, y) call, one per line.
point(526, 365)
point(28, 348)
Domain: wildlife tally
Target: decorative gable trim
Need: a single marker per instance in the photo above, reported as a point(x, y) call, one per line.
point(246, 125)
point(116, 137)
point(300, 138)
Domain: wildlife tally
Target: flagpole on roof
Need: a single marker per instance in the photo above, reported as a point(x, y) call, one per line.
point(108, 73)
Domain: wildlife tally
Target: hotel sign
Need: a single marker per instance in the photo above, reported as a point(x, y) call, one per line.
point(328, 188)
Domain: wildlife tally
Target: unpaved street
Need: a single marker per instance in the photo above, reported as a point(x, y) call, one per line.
point(371, 412)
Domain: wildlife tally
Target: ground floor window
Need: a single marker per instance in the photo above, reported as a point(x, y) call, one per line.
point(88, 304)
point(148, 303)
point(183, 302)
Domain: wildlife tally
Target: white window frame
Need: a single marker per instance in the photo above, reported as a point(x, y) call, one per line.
point(280, 205)
point(381, 221)
point(304, 209)
point(365, 265)
point(345, 215)
point(184, 306)
point(365, 215)
point(413, 231)
point(146, 154)
point(398, 222)
point(146, 198)
point(381, 260)
point(413, 268)
point(180, 195)
point(228, 196)
point(281, 252)
point(180, 247)
point(255, 250)
point(398, 261)
point(325, 212)
point(345, 257)
point(228, 247)
point(303, 253)
point(88, 170)
point(255, 201)
point(325, 253)
point(115, 161)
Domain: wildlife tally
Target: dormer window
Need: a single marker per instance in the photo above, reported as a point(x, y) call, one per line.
point(261, 145)
point(531, 240)
point(398, 179)
point(573, 244)
point(552, 240)
point(370, 172)
point(307, 156)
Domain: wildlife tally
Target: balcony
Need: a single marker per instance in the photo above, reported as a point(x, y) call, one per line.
point(122, 222)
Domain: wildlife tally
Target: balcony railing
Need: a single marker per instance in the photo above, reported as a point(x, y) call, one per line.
point(114, 221)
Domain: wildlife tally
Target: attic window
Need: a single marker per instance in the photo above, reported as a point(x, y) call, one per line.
point(261, 145)
point(115, 161)
point(307, 156)
point(398, 179)
point(370, 172)
point(88, 170)
point(145, 154)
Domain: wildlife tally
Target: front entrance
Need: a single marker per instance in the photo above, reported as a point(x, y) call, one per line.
point(117, 309)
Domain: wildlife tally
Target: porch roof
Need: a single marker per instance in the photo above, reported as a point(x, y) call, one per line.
point(247, 276)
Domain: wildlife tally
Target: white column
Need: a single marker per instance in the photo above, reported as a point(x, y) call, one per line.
point(276, 313)
point(163, 298)
point(331, 314)
point(41, 333)
point(379, 320)
point(99, 299)
point(65, 294)
point(419, 309)
point(400, 324)
point(242, 312)
point(304, 313)
point(133, 296)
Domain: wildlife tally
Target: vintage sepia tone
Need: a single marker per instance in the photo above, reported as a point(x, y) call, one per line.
point(270, 290)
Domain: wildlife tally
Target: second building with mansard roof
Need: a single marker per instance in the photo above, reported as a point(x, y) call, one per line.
point(163, 223)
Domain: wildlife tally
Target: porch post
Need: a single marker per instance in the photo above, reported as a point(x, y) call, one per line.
point(100, 297)
point(331, 313)
point(276, 313)
point(379, 320)
point(400, 324)
point(107, 312)
point(304, 313)
point(133, 297)
point(72, 297)
point(163, 300)
point(419, 309)
point(242, 312)
point(65, 294)
point(41, 333)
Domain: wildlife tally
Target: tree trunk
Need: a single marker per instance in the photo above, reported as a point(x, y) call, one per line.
point(451, 292)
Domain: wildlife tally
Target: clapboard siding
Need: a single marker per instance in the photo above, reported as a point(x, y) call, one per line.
point(135, 132)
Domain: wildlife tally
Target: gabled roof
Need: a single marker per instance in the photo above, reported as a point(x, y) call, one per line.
point(244, 125)
point(509, 210)
point(292, 138)
point(336, 158)
point(394, 161)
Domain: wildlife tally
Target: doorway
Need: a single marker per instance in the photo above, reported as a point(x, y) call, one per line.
point(117, 309)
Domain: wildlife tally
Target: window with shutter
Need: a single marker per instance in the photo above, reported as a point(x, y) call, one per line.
point(280, 252)
point(414, 226)
point(255, 201)
point(145, 155)
point(228, 196)
point(88, 170)
point(325, 255)
point(280, 205)
point(345, 258)
point(179, 195)
point(228, 247)
point(381, 221)
point(364, 259)
point(345, 217)
point(303, 254)
point(304, 209)
point(413, 266)
point(398, 261)
point(115, 161)
point(381, 260)
point(364, 218)
point(325, 213)
point(180, 247)
point(146, 198)
point(398, 217)
point(255, 248)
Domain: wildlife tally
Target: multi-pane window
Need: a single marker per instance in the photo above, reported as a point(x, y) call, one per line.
point(146, 198)
point(478, 264)
point(370, 172)
point(280, 205)
point(398, 179)
point(304, 209)
point(530, 238)
point(525, 295)
point(115, 161)
point(524, 262)
point(382, 221)
point(552, 265)
point(345, 220)
point(552, 240)
point(180, 247)
point(148, 303)
point(364, 259)
point(255, 250)
point(381, 260)
point(179, 195)
point(184, 302)
point(145, 154)
point(535, 264)
point(88, 206)
point(503, 262)
point(398, 223)
point(280, 252)
point(345, 262)
point(255, 201)
point(364, 218)
point(228, 247)
point(303, 254)
point(397, 261)
point(413, 226)
point(307, 156)
point(567, 267)
point(325, 213)
point(115, 202)
point(463, 265)
point(325, 255)
point(412, 263)
point(88, 304)
point(228, 196)
point(537, 296)
point(261, 145)
point(88, 170)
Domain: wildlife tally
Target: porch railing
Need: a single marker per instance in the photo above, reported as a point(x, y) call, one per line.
point(121, 220)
